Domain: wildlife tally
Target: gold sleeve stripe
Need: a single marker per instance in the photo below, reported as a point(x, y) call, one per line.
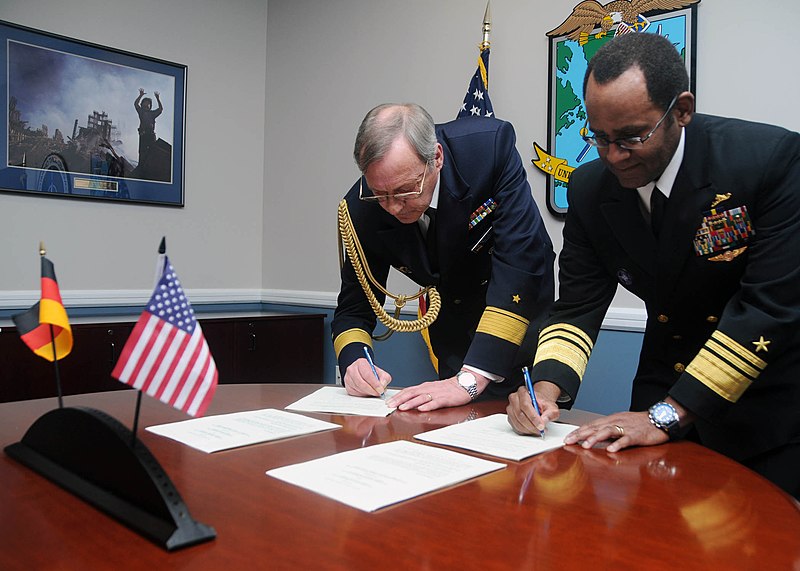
point(566, 339)
point(722, 352)
point(503, 324)
point(569, 333)
point(726, 367)
point(563, 352)
point(740, 350)
point(567, 344)
point(718, 375)
point(350, 336)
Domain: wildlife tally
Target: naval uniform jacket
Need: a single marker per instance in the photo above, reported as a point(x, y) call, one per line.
point(721, 284)
point(495, 276)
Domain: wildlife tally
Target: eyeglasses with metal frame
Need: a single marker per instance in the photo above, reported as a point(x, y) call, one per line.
point(394, 196)
point(627, 143)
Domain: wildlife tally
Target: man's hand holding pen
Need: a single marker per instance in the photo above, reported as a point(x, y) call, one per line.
point(363, 379)
point(522, 414)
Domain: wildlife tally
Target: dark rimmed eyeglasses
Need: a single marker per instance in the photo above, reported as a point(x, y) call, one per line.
point(394, 196)
point(627, 143)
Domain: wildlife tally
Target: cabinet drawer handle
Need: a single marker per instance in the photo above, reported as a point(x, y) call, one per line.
point(113, 353)
point(252, 342)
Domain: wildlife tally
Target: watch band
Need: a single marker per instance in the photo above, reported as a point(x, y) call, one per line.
point(471, 388)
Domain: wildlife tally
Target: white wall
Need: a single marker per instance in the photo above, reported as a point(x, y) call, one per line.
point(328, 63)
point(273, 105)
point(216, 240)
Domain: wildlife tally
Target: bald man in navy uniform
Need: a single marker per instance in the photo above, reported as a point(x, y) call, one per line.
point(487, 253)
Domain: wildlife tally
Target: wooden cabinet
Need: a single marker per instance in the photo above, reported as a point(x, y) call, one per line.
point(86, 369)
point(265, 347)
point(277, 349)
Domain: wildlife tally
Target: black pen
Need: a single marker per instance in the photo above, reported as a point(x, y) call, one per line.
point(529, 386)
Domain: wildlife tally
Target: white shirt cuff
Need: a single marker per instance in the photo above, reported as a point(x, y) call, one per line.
point(491, 376)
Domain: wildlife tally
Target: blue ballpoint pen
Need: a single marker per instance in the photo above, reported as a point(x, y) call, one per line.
point(374, 370)
point(529, 386)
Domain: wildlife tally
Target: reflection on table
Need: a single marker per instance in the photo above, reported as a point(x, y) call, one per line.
point(672, 506)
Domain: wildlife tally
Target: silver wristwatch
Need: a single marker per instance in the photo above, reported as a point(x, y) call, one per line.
point(664, 417)
point(468, 383)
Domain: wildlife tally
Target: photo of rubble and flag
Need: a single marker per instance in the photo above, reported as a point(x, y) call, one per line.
point(81, 115)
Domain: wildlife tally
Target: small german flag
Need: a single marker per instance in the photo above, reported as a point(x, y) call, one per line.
point(45, 327)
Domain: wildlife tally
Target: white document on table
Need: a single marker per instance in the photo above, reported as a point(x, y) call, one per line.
point(493, 435)
point(224, 431)
point(335, 400)
point(378, 476)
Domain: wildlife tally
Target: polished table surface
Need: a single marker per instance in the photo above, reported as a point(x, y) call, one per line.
point(676, 506)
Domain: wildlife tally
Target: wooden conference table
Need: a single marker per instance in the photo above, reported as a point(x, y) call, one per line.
point(677, 506)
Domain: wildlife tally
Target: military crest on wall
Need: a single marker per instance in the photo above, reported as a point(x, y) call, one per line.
point(572, 44)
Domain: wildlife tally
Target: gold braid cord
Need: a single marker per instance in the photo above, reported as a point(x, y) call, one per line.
point(348, 237)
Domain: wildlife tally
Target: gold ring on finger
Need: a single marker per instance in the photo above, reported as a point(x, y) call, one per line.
point(620, 430)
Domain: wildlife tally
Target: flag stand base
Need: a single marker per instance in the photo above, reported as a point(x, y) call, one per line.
point(89, 453)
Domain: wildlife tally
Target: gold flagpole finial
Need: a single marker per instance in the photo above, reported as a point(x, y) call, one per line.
point(487, 25)
point(42, 251)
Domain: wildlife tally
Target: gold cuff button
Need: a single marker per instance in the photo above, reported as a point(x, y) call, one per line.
point(662, 318)
point(712, 318)
point(679, 367)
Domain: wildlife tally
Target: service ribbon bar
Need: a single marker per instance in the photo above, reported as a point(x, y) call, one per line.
point(482, 212)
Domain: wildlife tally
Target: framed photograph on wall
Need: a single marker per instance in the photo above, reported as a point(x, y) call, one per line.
point(87, 121)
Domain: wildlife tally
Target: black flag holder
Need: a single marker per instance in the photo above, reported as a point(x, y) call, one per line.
point(89, 453)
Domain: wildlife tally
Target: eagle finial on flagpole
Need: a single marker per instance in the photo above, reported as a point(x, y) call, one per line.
point(487, 26)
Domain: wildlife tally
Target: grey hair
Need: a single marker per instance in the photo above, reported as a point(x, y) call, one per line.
point(385, 123)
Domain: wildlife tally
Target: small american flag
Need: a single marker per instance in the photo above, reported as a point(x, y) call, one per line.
point(166, 355)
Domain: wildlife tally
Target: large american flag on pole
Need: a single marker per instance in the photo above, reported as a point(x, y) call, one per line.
point(476, 102)
point(166, 355)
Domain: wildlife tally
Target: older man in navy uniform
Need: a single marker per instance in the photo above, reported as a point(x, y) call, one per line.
point(487, 252)
point(699, 216)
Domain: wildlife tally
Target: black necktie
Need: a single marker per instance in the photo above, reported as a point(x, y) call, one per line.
point(658, 203)
point(430, 237)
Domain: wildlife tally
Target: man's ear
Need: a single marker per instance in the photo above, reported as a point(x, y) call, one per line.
point(684, 104)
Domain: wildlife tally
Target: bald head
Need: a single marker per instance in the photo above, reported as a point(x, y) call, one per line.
point(384, 124)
